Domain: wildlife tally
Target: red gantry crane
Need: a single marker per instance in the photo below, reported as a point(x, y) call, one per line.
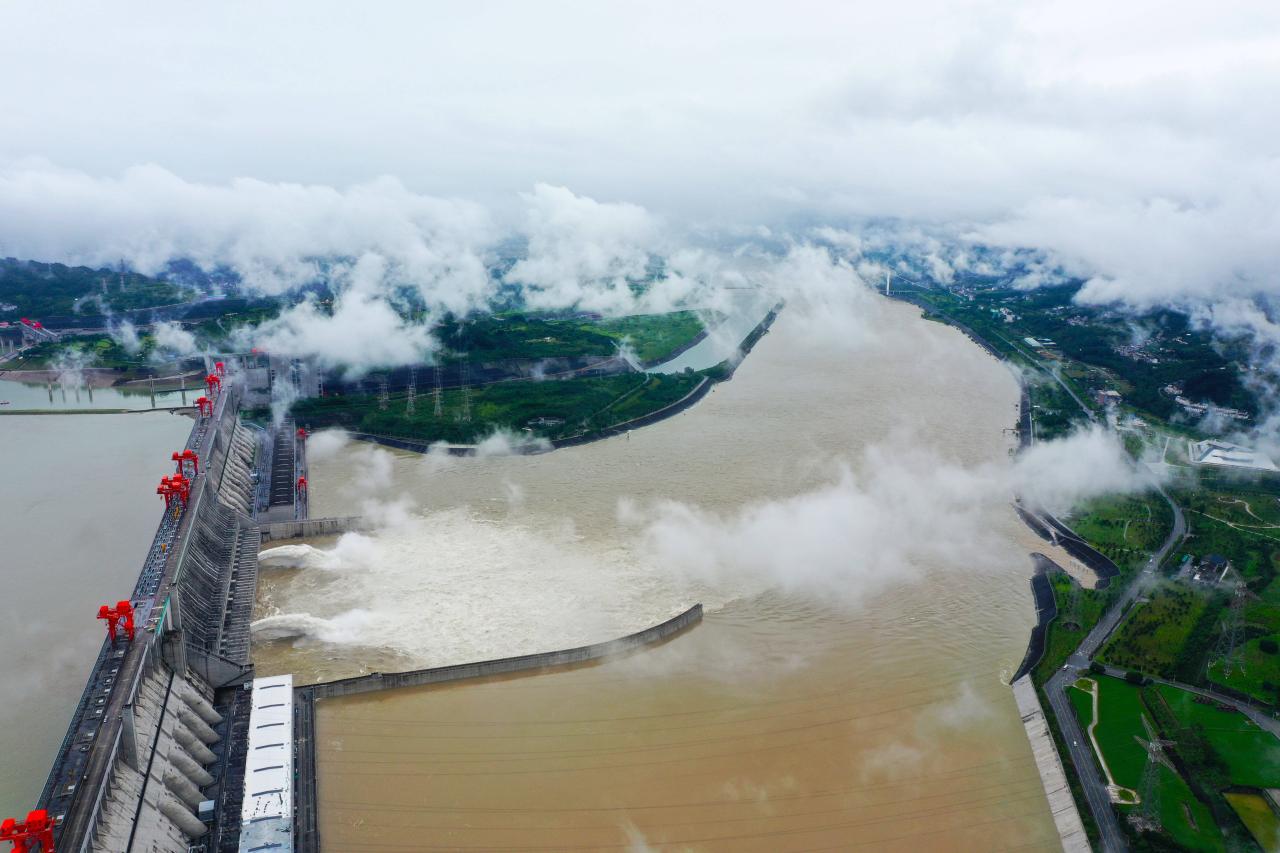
point(121, 614)
point(35, 833)
point(183, 458)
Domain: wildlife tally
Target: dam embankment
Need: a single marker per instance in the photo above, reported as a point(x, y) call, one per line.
point(312, 527)
point(530, 663)
point(307, 820)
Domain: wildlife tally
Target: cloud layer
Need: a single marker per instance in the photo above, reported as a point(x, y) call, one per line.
point(862, 533)
point(1131, 144)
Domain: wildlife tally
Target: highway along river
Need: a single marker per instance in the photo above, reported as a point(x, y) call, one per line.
point(844, 691)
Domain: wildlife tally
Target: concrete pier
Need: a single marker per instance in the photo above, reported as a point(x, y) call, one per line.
point(307, 528)
point(1061, 801)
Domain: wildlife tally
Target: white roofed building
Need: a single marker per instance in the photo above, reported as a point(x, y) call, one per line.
point(1223, 453)
point(266, 815)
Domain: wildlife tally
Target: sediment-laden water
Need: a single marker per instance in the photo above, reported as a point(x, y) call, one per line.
point(78, 510)
point(844, 691)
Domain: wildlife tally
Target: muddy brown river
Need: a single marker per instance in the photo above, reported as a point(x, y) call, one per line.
point(864, 607)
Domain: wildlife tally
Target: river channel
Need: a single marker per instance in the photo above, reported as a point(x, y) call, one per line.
point(846, 689)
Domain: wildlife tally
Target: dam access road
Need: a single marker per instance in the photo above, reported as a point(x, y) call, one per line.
point(1080, 751)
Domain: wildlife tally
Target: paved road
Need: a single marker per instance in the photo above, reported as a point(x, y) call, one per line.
point(1259, 717)
point(1081, 752)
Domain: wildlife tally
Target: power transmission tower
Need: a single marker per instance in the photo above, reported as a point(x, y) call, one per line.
point(438, 393)
point(411, 399)
point(1230, 640)
point(1150, 788)
point(466, 389)
point(384, 398)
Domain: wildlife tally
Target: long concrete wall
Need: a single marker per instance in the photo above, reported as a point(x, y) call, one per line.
point(1061, 801)
point(503, 666)
point(278, 530)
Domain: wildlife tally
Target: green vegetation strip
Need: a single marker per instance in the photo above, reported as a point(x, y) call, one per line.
point(550, 409)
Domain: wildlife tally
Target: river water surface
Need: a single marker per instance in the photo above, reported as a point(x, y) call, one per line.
point(845, 690)
point(78, 511)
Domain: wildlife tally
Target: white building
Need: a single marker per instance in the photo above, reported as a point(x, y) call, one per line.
point(266, 812)
point(1222, 453)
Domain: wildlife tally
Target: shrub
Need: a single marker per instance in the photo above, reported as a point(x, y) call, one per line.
point(1269, 646)
point(1133, 677)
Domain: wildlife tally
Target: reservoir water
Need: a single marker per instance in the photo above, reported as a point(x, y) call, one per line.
point(864, 604)
point(74, 395)
point(78, 510)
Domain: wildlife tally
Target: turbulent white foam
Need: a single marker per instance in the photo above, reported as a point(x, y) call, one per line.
point(344, 629)
point(352, 550)
point(296, 556)
point(451, 587)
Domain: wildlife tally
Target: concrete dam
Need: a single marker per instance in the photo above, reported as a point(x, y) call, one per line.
point(174, 745)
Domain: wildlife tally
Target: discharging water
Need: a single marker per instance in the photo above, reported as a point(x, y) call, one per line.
point(844, 691)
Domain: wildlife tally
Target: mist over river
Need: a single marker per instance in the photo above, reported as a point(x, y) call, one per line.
point(863, 606)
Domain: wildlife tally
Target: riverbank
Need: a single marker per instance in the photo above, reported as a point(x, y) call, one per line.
point(107, 377)
point(804, 697)
point(638, 400)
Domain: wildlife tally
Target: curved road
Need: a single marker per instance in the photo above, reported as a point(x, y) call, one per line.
point(1081, 753)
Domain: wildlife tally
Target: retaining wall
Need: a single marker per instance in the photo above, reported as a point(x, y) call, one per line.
point(504, 666)
point(312, 527)
point(699, 391)
point(1062, 803)
point(1046, 611)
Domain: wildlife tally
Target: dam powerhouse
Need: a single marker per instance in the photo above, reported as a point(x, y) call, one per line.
point(174, 745)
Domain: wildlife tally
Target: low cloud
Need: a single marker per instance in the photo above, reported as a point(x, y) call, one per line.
point(126, 335)
point(172, 338)
point(507, 443)
point(327, 444)
point(1089, 463)
point(871, 528)
point(362, 331)
point(584, 253)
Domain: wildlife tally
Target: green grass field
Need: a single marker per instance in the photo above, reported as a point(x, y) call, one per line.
point(1121, 708)
point(1078, 610)
point(1082, 702)
point(654, 336)
point(1259, 817)
point(1260, 675)
point(1154, 637)
point(1251, 754)
point(1126, 529)
point(570, 406)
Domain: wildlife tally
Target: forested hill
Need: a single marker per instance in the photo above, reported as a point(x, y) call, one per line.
point(43, 290)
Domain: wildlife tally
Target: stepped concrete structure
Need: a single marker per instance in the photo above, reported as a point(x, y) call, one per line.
point(154, 758)
point(175, 746)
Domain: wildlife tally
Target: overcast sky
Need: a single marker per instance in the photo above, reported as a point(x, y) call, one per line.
point(1138, 141)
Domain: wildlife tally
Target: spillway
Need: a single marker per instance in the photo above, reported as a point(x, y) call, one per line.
point(154, 756)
